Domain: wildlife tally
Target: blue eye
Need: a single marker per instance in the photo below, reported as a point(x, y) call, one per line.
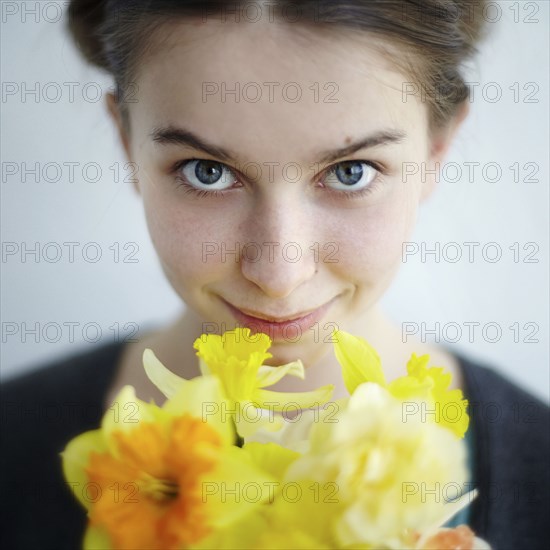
point(207, 174)
point(351, 175)
point(350, 179)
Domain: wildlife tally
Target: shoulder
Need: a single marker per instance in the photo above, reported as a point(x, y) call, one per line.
point(480, 373)
point(511, 439)
point(41, 412)
point(71, 372)
point(62, 398)
point(499, 405)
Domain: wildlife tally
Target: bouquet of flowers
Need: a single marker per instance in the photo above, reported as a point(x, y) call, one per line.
point(221, 464)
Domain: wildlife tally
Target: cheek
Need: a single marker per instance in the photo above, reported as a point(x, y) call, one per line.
point(371, 240)
point(188, 240)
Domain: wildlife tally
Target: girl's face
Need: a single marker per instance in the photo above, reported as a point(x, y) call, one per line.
point(261, 223)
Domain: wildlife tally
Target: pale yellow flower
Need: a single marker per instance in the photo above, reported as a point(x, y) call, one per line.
point(391, 477)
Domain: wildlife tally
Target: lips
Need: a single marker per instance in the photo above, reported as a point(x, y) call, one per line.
point(288, 327)
point(272, 319)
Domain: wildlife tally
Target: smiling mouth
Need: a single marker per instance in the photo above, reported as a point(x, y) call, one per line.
point(280, 328)
point(272, 319)
point(278, 319)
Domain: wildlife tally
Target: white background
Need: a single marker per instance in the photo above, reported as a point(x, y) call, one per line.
point(99, 295)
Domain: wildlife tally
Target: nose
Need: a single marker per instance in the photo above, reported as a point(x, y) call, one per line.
point(279, 254)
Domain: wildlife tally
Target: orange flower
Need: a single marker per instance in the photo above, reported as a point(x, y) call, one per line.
point(158, 477)
point(150, 495)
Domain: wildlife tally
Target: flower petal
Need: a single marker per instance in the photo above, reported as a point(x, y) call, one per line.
point(238, 343)
point(75, 458)
point(126, 412)
point(296, 435)
point(408, 388)
point(164, 379)
point(359, 360)
point(431, 386)
point(250, 418)
point(449, 510)
point(96, 538)
point(203, 367)
point(282, 401)
point(235, 487)
point(273, 458)
point(267, 375)
point(203, 398)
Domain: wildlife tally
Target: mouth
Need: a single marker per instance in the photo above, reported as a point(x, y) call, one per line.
point(281, 327)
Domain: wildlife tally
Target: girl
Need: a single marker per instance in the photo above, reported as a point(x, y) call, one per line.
point(270, 140)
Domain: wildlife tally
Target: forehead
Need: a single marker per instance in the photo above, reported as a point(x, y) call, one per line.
point(277, 84)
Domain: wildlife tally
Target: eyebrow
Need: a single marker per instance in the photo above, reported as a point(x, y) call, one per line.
point(172, 135)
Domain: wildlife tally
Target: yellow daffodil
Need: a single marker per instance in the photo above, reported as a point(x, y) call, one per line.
point(392, 478)
point(237, 358)
point(153, 477)
point(425, 389)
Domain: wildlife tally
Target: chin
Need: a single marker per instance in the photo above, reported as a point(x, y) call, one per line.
point(286, 351)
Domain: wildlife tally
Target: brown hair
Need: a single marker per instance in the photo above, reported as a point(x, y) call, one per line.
point(435, 38)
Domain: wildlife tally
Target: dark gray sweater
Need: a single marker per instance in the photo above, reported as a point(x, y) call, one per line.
point(42, 411)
